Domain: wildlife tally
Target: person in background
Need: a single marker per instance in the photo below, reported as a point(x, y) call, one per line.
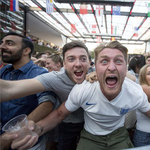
point(148, 59)
point(142, 133)
point(105, 103)
point(135, 64)
point(76, 64)
point(54, 62)
point(41, 59)
point(17, 50)
point(92, 67)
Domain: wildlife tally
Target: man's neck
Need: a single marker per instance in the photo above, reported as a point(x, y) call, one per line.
point(19, 64)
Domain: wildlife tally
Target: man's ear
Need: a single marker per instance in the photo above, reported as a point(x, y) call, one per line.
point(64, 65)
point(26, 51)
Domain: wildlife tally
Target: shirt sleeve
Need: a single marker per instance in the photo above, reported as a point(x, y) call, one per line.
point(48, 80)
point(75, 98)
point(47, 96)
point(145, 105)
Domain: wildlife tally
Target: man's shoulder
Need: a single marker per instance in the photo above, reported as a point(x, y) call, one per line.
point(86, 86)
point(38, 70)
point(132, 86)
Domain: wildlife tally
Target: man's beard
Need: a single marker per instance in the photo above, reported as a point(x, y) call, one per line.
point(12, 58)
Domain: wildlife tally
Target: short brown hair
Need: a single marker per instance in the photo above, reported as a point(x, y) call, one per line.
point(112, 45)
point(142, 75)
point(73, 44)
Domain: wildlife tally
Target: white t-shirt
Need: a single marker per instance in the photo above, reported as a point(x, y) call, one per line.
point(101, 115)
point(143, 122)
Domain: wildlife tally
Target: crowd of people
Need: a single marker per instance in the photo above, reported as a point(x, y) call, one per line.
point(66, 111)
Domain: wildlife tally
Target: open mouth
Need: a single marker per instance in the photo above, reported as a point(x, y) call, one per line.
point(111, 81)
point(78, 73)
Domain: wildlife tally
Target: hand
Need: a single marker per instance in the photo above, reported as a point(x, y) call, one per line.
point(91, 77)
point(26, 142)
point(5, 145)
point(130, 76)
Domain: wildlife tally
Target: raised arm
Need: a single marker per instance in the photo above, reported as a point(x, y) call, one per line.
point(16, 89)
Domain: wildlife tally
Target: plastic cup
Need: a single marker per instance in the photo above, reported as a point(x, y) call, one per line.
point(19, 125)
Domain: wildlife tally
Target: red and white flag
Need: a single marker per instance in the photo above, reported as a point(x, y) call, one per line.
point(73, 28)
point(14, 5)
point(83, 9)
point(98, 39)
point(93, 28)
point(99, 11)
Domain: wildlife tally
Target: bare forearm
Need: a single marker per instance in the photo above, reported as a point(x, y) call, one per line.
point(41, 111)
point(53, 119)
point(16, 89)
point(4, 92)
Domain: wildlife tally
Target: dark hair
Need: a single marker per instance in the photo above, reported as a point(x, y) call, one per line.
point(136, 62)
point(73, 44)
point(148, 57)
point(133, 64)
point(39, 55)
point(26, 42)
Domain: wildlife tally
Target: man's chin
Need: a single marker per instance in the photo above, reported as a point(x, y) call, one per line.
point(79, 80)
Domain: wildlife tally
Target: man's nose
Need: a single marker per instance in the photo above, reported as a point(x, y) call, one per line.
point(78, 62)
point(112, 66)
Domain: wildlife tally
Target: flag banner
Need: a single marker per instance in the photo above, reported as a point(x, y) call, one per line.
point(93, 28)
point(148, 14)
point(98, 39)
point(116, 10)
point(14, 5)
point(99, 11)
point(49, 6)
point(115, 30)
point(83, 9)
point(73, 28)
point(136, 29)
point(113, 39)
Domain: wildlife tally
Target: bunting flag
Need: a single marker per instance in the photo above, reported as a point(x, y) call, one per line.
point(116, 10)
point(98, 39)
point(99, 11)
point(49, 6)
point(73, 28)
point(83, 9)
point(148, 14)
point(115, 30)
point(94, 28)
point(136, 32)
point(14, 5)
point(113, 39)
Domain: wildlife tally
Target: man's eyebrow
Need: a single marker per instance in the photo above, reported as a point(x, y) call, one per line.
point(75, 56)
point(9, 41)
point(105, 56)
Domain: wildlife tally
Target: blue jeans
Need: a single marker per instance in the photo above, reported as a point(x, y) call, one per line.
point(68, 135)
point(141, 138)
